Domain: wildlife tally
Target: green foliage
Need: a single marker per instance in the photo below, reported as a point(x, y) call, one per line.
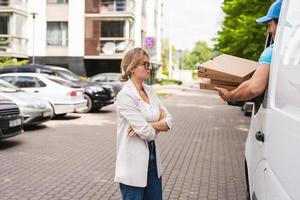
point(169, 81)
point(84, 78)
point(195, 74)
point(165, 72)
point(5, 61)
point(240, 34)
point(199, 54)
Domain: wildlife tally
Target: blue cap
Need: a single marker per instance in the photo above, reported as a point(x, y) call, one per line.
point(273, 13)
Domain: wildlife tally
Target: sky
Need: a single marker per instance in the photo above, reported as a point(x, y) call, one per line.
point(188, 21)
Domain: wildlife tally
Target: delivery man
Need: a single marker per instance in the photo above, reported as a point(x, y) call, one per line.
point(256, 86)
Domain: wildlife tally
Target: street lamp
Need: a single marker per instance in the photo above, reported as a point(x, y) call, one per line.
point(33, 14)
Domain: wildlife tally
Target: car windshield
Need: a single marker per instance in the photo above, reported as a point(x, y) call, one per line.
point(68, 75)
point(63, 82)
point(6, 87)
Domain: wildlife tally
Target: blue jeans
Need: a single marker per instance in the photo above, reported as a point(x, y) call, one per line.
point(153, 190)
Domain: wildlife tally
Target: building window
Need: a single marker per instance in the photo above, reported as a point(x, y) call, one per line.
point(57, 1)
point(4, 24)
point(4, 3)
point(112, 28)
point(57, 34)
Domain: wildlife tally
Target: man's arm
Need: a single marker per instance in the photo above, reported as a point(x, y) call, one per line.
point(248, 89)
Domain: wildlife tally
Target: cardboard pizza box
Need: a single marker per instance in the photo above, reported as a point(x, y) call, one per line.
point(207, 86)
point(232, 79)
point(228, 83)
point(228, 68)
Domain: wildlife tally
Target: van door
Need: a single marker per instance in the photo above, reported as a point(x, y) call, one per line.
point(283, 117)
point(255, 154)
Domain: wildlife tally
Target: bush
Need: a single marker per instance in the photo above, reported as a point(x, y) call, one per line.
point(84, 78)
point(10, 61)
point(169, 81)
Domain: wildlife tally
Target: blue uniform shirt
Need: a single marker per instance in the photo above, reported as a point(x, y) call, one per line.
point(266, 56)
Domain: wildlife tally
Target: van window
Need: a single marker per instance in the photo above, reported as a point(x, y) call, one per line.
point(287, 95)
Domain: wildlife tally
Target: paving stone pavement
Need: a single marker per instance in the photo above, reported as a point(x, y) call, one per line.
point(74, 158)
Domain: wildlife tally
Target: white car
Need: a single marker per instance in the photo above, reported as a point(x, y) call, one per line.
point(273, 144)
point(64, 96)
point(33, 109)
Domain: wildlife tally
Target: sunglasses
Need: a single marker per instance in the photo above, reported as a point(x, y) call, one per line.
point(147, 65)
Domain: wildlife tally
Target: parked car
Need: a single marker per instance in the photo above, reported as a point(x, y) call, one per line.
point(272, 149)
point(97, 95)
point(34, 110)
point(64, 96)
point(11, 122)
point(112, 79)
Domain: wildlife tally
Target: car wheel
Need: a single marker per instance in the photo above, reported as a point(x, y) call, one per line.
point(89, 104)
point(95, 109)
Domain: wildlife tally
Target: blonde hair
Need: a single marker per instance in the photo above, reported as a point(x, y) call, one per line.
point(131, 59)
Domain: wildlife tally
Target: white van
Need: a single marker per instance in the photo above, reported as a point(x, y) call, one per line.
point(273, 145)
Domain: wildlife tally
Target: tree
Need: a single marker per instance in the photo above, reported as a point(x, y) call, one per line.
point(5, 61)
point(240, 34)
point(199, 54)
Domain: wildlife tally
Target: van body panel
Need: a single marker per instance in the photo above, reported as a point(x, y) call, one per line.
point(274, 165)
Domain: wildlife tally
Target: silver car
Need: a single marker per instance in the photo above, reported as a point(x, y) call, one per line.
point(34, 110)
point(111, 79)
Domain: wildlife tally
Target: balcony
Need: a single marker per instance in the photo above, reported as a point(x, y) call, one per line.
point(18, 6)
point(110, 8)
point(13, 46)
point(107, 48)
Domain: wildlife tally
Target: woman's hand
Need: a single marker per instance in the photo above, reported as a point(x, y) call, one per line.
point(131, 132)
point(163, 114)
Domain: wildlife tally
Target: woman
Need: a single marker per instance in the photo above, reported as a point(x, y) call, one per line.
point(141, 117)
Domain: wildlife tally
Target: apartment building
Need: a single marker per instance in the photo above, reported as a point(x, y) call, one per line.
point(13, 23)
point(56, 35)
point(88, 36)
point(114, 26)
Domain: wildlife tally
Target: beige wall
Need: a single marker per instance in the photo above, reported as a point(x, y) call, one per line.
point(59, 12)
point(57, 51)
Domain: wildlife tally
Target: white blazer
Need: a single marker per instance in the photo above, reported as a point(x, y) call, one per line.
point(132, 152)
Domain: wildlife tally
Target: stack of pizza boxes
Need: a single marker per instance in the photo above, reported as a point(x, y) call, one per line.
point(225, 71)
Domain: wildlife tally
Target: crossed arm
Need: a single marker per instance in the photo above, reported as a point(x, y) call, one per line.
point(159, 125)
point(248, 89)
point(128, 108)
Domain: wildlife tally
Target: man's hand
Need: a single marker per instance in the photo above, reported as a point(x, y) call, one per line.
point(224, 94)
